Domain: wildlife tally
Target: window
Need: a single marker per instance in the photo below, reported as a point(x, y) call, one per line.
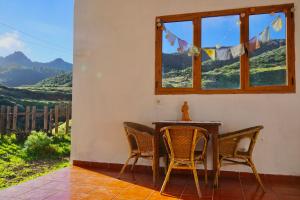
point(268, 62)
point(174, 61)
point(248, 50)
point(222, 73)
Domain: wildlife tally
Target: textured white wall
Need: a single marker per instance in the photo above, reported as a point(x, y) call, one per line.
point(114, 82)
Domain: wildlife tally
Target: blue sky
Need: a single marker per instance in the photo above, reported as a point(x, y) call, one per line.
point(42, 29)
point(223, 31)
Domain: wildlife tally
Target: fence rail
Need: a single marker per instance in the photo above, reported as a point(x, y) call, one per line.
point(10, 118)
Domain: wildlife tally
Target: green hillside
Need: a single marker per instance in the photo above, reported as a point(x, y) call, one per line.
point(267, 68)
point(60, 80)
point(61, 83)
point(39, 98)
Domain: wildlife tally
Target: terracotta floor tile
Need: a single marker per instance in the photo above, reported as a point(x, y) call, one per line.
point(16, 191)
point(135, 193)
point(63, 195)
point(37, 194)
point(194, 197)
point(261, 196)
point(158, 196)
point(84, 184)
point(102, 194)
point(206, 190)
point(288, 197)
point(286, 189)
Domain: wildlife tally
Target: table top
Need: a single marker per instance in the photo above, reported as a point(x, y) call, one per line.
point(188, 122)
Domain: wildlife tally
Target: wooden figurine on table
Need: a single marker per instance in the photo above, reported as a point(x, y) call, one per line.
point(185, 112)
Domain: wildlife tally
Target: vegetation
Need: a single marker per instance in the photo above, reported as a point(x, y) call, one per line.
point(37, 155)
point(267, 67)
point(34, 96)
point(61, 80)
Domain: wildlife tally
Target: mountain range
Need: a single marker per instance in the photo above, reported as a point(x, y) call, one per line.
point(18, 70)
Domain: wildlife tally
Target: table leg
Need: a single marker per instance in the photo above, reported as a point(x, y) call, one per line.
point(215, 149)
point(156, 158)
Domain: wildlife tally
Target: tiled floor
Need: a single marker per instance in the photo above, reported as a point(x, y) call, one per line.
point(79, 183)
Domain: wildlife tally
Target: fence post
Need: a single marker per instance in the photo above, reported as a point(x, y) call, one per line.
point(27, 113)
point(45, 118)
point(67, 117)
point(2, 119)
point(50, 121)
point(15, 118)
point(8, 118)
point(33, 117)
point(56, 118)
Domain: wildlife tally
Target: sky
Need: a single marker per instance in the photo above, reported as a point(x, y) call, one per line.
point(223, 31)
point(41, 29)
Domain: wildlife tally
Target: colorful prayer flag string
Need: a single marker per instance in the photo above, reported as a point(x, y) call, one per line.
point(223, 53)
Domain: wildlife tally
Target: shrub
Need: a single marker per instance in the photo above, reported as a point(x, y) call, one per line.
point(61, 138)
point(8, 139)
point(37, 146)
point(61, 143)
point(40, 146)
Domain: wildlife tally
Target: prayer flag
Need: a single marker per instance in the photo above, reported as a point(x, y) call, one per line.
point(277, 24)
point(253, 44)
point(211, 53)
point(237, 50)
point(170, 37)
point(223, 54)
point(265, 35)
point(183, 45)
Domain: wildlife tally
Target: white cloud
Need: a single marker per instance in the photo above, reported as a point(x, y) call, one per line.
point(10, 42)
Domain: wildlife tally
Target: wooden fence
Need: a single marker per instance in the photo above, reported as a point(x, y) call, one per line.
point(10, 118)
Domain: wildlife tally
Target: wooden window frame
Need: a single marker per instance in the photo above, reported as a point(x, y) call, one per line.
point(244, 59)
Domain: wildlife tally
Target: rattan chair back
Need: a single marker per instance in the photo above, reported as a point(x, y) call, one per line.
point(140, 137)
point(181, 141)
point(229, 143)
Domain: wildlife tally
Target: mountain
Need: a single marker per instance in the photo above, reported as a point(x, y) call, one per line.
point(15, 59)
point(176, 61)
point(17, 69)
point(19, 76)
point(58, 64)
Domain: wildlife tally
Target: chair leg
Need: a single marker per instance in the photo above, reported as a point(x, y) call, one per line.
point(197, 182)
point(166, 178)
point(153, 173)
point(132, 166)
point(205, 171)
point(256, 174)
point(124, 166)
point(134, 162)
point(216, 181)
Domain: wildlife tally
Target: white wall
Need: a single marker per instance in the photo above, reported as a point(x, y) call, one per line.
point(114, 82)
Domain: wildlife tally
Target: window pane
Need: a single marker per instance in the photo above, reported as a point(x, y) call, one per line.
point(220, 67)
point(177, 69)
point(268, 53)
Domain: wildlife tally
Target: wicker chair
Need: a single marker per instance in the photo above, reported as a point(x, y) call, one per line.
point(141, 143)
point(181, 143)
point(231, 152)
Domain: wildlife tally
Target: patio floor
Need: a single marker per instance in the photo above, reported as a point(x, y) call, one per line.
point(80, 183)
